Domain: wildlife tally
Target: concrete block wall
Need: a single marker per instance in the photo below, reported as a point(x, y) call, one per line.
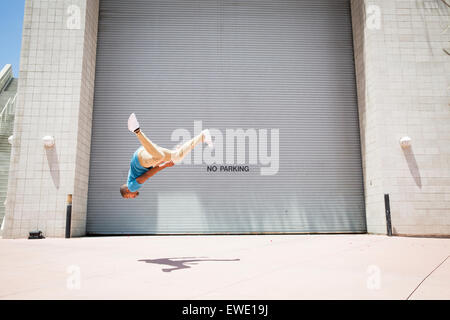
point(376, 223)
point(55, 98)
point(84, 125)
point(403, 76)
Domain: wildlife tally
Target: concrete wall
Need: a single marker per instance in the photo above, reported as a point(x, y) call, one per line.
point(56, 83)
point(403, 77)
point(85, 120)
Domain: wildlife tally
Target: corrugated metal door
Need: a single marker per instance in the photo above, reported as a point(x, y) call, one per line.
point(283, 66)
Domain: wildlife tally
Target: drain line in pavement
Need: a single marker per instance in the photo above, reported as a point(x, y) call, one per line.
point(427, 277)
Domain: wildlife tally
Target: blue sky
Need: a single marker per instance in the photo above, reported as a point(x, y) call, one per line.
point(11, 20)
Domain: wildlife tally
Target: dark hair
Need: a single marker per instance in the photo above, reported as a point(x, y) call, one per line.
point(123, 190)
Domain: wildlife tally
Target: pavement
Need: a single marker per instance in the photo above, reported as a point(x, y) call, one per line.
point(233, 267)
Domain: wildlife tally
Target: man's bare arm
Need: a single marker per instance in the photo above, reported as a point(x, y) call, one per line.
point(150, 173)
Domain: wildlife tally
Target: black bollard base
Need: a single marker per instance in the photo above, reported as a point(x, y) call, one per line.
point(36, 235)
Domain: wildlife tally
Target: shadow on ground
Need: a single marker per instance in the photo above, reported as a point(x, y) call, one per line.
point(182, 262)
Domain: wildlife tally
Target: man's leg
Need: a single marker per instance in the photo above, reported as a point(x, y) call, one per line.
point(154, 150)
point(181, 152)
point(156, 154)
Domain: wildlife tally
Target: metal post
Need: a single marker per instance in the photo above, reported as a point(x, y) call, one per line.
point(68, 215)
point(387, 207)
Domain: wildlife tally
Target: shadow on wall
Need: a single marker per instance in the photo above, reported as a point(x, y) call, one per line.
point(182, 263)
point(412, 164)
point(429, 11)
point(53, 164)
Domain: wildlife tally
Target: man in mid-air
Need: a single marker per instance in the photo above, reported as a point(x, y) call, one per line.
point(150, 158)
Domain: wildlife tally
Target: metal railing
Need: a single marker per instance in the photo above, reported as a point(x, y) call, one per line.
point(5, 76)
point(6, 114)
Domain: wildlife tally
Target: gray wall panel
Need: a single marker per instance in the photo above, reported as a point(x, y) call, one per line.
point(231, 64)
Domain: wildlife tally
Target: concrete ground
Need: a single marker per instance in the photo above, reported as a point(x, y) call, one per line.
point(226, 267)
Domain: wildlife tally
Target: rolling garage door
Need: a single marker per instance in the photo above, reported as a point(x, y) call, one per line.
point(273, 78)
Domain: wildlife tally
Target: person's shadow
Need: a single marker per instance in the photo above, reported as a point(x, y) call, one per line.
point(412, 165)
point(53, 164)
point(181, 263)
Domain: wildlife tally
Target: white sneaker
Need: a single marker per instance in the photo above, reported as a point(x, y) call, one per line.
point(133, 124)
point(207, 138)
